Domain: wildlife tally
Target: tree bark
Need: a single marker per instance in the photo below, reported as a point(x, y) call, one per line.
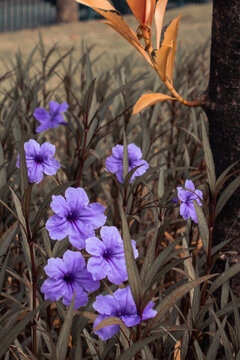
point(67, 11)
point(223, 111)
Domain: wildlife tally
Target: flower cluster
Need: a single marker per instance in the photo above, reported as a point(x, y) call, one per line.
point(74, 217)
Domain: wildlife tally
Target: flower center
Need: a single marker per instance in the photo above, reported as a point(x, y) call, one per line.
point(68, 278)
point(38, 159)
point(72, 216)
point(107, 254)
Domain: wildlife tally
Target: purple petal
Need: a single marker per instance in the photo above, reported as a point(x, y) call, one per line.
point(32, 148)
point(199, 195)
point(110, 236)
point(94, 246)
point(47, 150)
point(53, 289)
point(113, 164)
point(106, 305)
point(55, 268)
point(44, 126)
point(85, 280)
point(63, 107)
point(189, 185)
point(184, 211)
point(93, 215)
point(76, 198)
point(74, 261)
point(134, 152)
point(131, 320)
point(124, 297)
point(98, 267)
point(35, 172)
point(135, 250)
point(117, 270)
point(108, 331)
point(141, 170)
point(78, 240)
point(119, 176)
point(118, 151)
point(53, 107)
point(148, 312)
point(182, 194)
point(57, 227)
point(81, 298)
point(51, 166)
point(41, 115)
point(60, 206)
point(192, 212)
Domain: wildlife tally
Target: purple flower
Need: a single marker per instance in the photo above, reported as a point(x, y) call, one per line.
point(75, 217)
point(120, 305)
point(187, 209)
point(66, 276)
point(114, 163)
point(50, 119)
point(39, 160)
point(108, 256)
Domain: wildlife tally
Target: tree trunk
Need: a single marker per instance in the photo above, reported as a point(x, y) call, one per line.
point(223, 111)
point(67, 11)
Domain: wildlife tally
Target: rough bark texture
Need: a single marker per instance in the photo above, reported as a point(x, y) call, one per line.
point(223, 111)
point(67, 11)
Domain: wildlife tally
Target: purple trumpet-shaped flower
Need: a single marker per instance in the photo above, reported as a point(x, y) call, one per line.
point(186, 197)
point(39, 160)
point(108, 258)
point(114, 163)
point(50, 119)
point(75, 217)
point(122, 306)
point(66, 276)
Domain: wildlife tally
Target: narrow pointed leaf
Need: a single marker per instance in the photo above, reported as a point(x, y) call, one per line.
point(133, 349)
point(63, 338)
point(132, 270)
point(109, 321)
point(131, 38)
point(159, 15)
point(169, 301)
point(209, 159)
point(14, 331)
point(233, 270)
point(170, 39)
point(147, 100)
point(125, 157)
point(225, 340)
point(226, 194)
point(203, 226)
point(160, 59)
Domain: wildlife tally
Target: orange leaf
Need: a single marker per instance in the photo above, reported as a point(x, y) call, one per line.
point(160, 58)
point(170, 39)
point(149, 100)
point(143, 10)
point(100, 4)
point(159, 15)
point(133, 40)
point(104, 8)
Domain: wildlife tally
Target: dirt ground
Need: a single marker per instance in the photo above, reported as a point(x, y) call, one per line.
point(195, 28)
